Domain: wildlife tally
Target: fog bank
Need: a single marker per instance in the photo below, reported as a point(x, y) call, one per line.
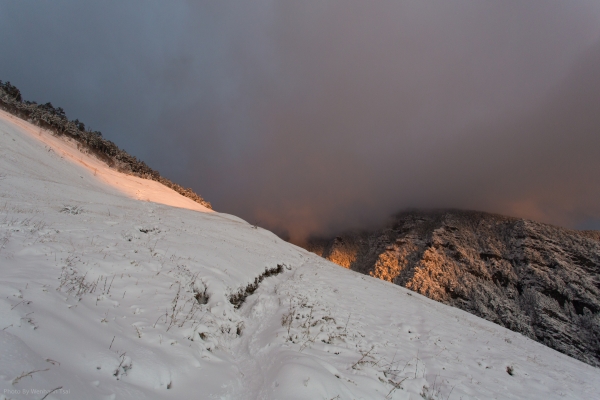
point(311, 117)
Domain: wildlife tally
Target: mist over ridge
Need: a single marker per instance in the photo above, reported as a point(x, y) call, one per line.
point(313, 117)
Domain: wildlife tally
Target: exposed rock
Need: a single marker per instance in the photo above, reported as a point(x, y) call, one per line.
point(537, 279)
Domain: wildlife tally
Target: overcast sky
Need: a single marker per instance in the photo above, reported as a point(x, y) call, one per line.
point(308, 117)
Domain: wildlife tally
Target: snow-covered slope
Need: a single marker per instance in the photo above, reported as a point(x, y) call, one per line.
point(106, 295)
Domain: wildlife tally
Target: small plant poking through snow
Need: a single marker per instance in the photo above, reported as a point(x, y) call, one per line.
point(308, 322)
point(366, 358)
point(75, 284)
point(182, 311)
point(27, 374)
point(74, 210)
point(201, 297)
point(149, 230)
point(124, 366)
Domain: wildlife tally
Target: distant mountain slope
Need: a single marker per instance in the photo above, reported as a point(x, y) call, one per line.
point(108, 296)
point(540, 280)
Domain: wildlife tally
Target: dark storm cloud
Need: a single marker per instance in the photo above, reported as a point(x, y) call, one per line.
point(314, 116)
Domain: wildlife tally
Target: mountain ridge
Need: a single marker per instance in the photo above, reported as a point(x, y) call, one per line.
point(537, 279)
point(55, 120)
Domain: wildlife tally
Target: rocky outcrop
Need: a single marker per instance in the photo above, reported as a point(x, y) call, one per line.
point(537, 279)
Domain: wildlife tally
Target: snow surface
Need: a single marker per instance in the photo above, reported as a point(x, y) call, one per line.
point(114, 287)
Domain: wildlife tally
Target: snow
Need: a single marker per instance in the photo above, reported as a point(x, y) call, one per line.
point(115, 287)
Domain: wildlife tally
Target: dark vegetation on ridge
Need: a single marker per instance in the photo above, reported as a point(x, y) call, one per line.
point(54, 119)
point(537, 279)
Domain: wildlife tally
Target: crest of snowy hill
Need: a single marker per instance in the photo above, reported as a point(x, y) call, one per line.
point(112, 288)
point(53, 119)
